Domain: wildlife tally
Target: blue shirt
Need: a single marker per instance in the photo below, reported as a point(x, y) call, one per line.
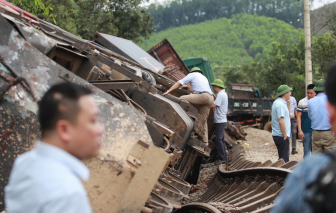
point(47, 180)
point(305, 120)
point(292, 198)
point(318, 112)
point(199, 82)
point(222, 107)
point(280, 110)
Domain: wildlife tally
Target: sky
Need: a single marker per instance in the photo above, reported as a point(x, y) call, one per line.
point(316, 4)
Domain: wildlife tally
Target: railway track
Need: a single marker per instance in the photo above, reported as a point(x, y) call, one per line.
point(244, 186)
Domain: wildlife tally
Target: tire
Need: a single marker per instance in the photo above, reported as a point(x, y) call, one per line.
point(268, 126)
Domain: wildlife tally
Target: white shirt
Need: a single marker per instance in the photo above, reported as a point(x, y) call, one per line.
point(47, 180)
point(293, 105)
point(222, 107)
point(199, 82)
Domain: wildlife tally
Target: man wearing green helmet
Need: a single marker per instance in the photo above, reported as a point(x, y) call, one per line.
point(220, 107)
point(202, 98)
point(323, 138)
point(281, 127)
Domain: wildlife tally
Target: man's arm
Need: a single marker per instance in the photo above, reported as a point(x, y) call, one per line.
point(214, 107)
point(283, 127)
point(174, 87)
point(298, 120)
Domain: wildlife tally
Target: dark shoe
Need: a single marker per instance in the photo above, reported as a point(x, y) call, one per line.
point(294, 151)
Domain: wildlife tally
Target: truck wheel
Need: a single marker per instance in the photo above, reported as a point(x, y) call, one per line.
point(268, 126)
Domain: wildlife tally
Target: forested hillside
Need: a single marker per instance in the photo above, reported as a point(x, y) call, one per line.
point(227, 42)
point(184, 12)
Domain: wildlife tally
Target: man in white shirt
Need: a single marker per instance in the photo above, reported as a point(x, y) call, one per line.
point(220, 107)
point(293, 115)
point(48, 178)
point(202, 98)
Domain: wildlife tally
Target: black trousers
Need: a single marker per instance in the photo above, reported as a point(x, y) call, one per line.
point(294, 131)
point(220, 141)
point(283, 147)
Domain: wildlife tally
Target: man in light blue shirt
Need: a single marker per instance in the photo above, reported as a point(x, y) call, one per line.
point(323, 138)
point(48, 178)
point(281, 127)
point(202, 98)
point(220, 108)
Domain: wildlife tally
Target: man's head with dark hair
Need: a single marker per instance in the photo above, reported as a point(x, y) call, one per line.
point(330, 88)
point(310, 91)
point(68, 120)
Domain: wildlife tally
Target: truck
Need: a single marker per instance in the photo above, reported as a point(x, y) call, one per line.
point(247, 107)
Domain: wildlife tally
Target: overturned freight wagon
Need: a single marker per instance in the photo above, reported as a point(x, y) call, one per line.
point(150, 143)
point(151, 149)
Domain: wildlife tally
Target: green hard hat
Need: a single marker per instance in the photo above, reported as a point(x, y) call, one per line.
point(196, 69)
point(283, 89)
point(218, 83)
point(319, 86)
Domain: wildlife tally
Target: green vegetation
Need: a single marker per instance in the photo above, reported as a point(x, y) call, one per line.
point(126, 19)
point(284, 64)
point(240, 40)
point(184, 12)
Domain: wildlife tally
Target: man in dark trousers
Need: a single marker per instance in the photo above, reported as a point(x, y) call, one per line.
point(311, 186)
point(220, 107)
point(281, 127)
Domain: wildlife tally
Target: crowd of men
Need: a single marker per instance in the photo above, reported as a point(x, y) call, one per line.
point(310, 120)
point(311, 187)
point(48, 178)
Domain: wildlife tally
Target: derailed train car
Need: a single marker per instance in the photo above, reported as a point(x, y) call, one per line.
point(151, 148)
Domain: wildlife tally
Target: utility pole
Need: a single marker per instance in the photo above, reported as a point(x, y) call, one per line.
point(309, 71)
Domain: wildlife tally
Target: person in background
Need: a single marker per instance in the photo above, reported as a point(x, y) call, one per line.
point(301, 187)
point(293, 115)
point(202, 98)
point(323, 138)
point(220, 107)
point(48, 178)
point(281, 121)
point(304, 122)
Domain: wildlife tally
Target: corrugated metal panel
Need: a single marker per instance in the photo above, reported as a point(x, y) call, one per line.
point(129, 50)
point(167, 55)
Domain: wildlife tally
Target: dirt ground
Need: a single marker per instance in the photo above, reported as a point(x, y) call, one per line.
point(261, 146)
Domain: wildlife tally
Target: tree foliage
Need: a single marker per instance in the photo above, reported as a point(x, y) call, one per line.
point(184, 12)
point(226, 42)
point(122, 18)
point(284, 64)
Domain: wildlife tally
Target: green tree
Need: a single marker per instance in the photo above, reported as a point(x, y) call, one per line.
point(122, 18)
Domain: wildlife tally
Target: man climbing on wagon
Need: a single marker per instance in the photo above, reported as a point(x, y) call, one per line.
point(202, 98)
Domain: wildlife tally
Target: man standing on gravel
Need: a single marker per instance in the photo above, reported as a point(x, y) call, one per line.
point(281, 127)
point(220, 107)
point(311, 185)
point(304, 122)
point(323, 138)
point(293, 115)
point(202, 98)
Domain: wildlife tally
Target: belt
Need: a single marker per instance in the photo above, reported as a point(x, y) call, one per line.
point(322, 130)
point(204, 92)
